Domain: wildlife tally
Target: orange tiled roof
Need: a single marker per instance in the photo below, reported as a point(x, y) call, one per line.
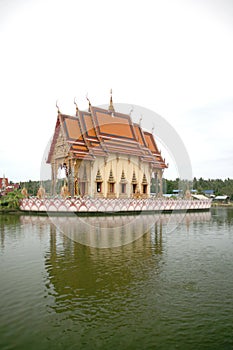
point(139, 135)
point(100, 132)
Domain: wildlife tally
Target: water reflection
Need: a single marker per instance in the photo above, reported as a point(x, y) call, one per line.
point(222, 215)
point(114, 231)
point(7, 221)
point(77, 272)
point(161, 290)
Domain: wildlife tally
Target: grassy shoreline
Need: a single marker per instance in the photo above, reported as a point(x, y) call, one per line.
point(10, 211)
point(223, 205)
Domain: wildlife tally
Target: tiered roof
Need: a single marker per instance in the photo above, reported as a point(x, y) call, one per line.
point(99, 132)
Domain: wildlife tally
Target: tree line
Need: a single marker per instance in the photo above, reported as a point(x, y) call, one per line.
point(219, 186)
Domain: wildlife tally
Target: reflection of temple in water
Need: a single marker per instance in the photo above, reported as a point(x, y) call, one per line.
point(114, 231)
point(77, 270)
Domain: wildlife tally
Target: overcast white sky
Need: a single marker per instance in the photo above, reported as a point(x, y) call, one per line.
point(172, 57)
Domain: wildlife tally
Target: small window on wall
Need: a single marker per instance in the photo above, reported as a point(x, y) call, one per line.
point(111, 187)
point(144, 189)
point(134, 188)
point(123, 188)
point(98, 187)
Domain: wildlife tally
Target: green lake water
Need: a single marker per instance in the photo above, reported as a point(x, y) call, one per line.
point(147, 282)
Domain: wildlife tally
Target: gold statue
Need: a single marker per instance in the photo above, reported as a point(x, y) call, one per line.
point(41, 192)
point(24, 192)
point(65, 191)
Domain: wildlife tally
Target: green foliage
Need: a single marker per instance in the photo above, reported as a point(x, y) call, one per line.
point(11, 200)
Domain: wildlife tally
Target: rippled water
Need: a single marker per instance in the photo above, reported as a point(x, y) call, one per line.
point(168, 289)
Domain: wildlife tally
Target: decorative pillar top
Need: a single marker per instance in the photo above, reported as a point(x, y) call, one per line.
point(98, 177)
point(144, 180)
point(134, 179)
point(123, 178)
point(111, 177)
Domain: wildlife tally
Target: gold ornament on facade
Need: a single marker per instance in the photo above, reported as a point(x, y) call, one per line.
point(123, 178)
point(98, 177)
point(144, 180)
point(111, 177)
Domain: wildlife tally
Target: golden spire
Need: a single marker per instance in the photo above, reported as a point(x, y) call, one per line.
point(123, 178)
point(111, 108)
point(144, 180)
point(111, 177)
point(98, 176)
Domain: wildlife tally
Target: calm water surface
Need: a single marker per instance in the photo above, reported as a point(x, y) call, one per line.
point(168, 289)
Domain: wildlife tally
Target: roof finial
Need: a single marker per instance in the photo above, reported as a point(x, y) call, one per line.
point(131, 110)
point(153, 128)
point(58, 109)
point(140, 120)
point(111, 108)
point(89, 107)
point(75, 102)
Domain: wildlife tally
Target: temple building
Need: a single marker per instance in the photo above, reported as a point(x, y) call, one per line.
point(7, 186)
point(105, 154)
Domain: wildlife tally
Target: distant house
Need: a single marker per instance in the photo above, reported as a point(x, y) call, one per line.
point(199, 196)
point(176, 192)
point(209, 193)
point(180, 192)
point(222, 199)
